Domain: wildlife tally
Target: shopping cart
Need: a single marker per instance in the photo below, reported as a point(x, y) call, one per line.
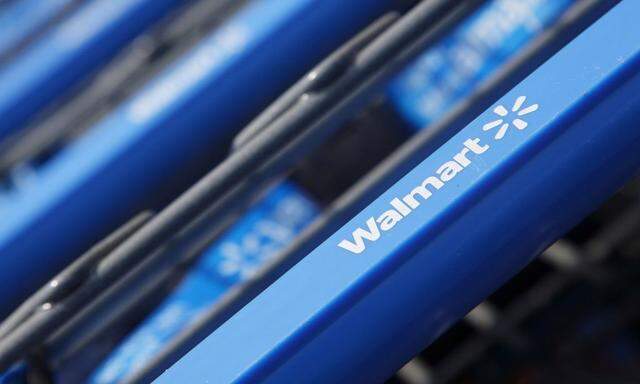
point(430, 184)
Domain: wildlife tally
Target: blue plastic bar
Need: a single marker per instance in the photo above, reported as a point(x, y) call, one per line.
point(450, 231)
point(15, 375)
point(70, 51)
point(21, 18)
point(56, 210)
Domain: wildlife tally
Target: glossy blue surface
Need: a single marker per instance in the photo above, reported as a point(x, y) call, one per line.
point(343, 317)
point(15, 375)
point(19, 19)
point(58, 209)
point(70, 51)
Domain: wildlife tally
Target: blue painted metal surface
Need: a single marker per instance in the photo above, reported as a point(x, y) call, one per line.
point(496, 194)
point(56, 210)
point(269, 226)
point(66, 54)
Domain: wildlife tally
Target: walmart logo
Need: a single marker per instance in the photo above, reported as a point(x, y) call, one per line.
point(507, 118)
point(399, 207)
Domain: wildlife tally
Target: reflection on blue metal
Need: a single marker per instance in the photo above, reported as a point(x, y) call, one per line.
point(50, 213)
point(448, 72)
point(450, 231)
point(66, 54)
point(265, 229)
